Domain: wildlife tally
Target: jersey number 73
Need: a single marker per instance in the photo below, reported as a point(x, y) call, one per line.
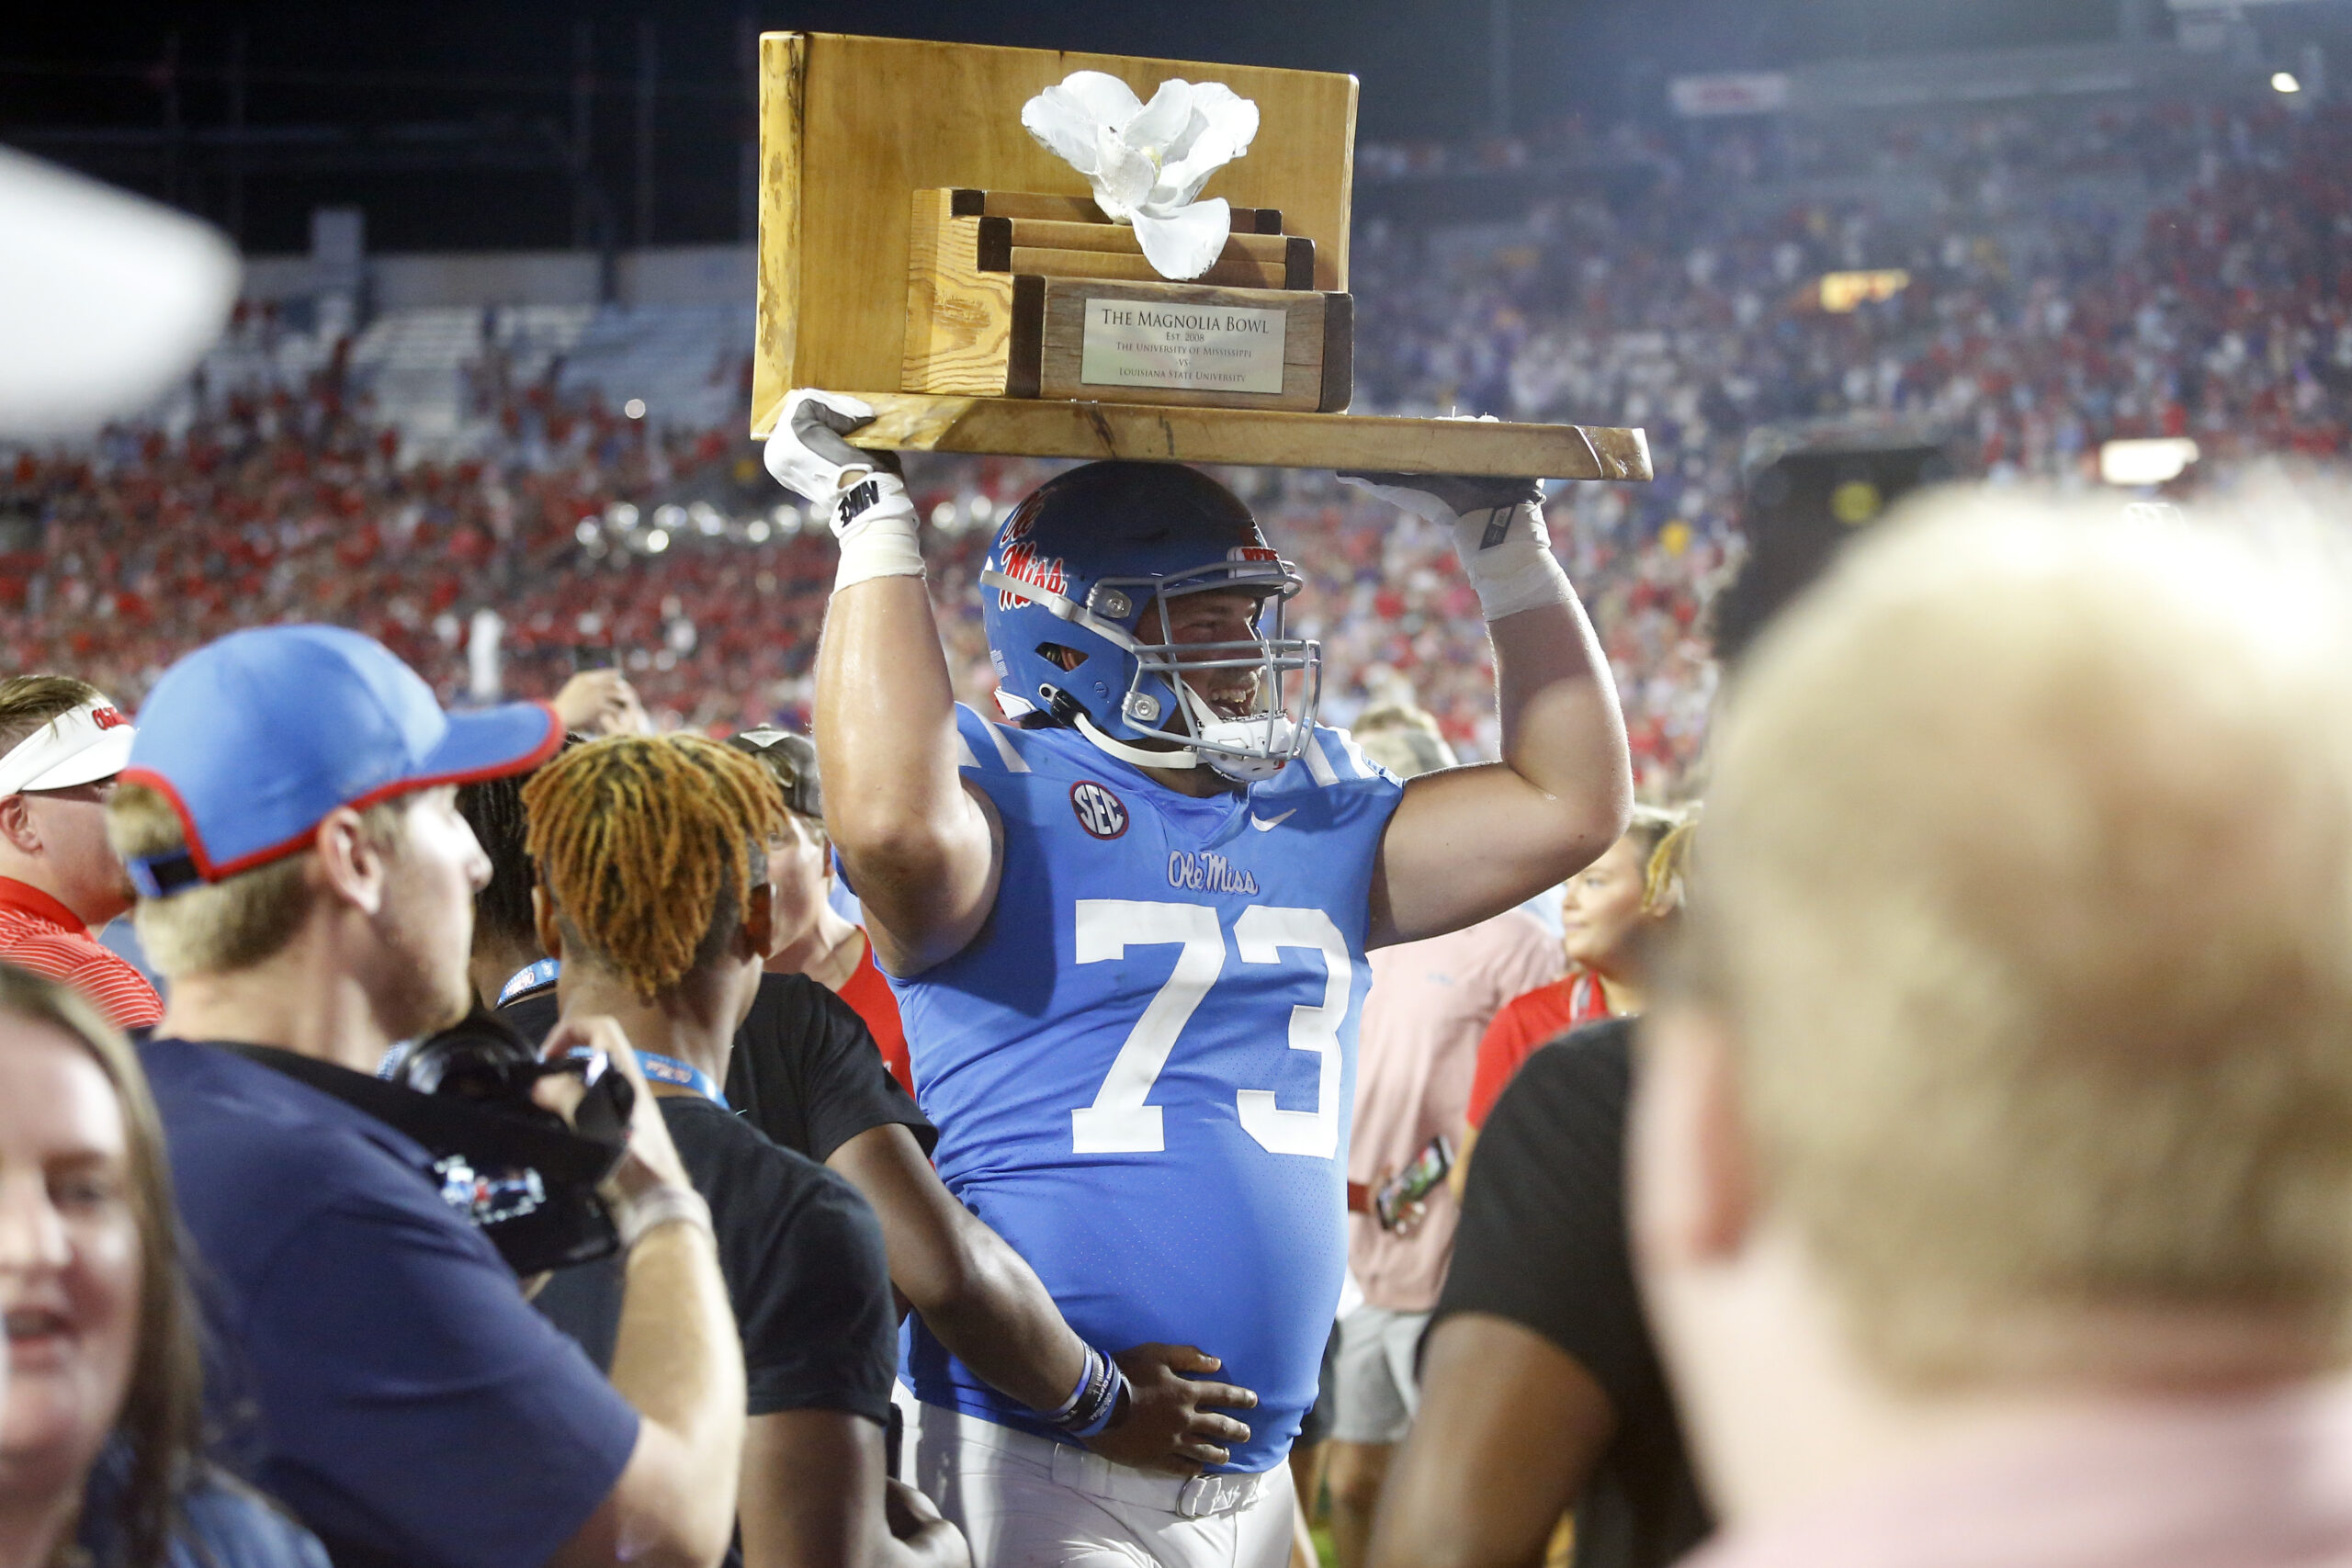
point(1119, 1122)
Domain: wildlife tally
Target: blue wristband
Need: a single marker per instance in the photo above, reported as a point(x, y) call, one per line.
point(1096, 1399)
point(1087, 1371)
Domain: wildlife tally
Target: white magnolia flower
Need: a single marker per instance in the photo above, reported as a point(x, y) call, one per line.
point(1147, 161)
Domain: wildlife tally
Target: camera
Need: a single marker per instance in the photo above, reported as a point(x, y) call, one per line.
point(511, 1167)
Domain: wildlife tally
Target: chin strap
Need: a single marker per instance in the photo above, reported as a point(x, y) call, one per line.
point(1134, 756)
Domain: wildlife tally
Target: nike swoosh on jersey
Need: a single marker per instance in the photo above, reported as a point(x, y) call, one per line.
point(1267, 825)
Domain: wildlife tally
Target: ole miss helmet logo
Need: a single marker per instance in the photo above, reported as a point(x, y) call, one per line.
point(1099, 811)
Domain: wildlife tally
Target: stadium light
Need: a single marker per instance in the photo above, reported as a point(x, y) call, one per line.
point(2284, 81)
point(656, 541)
point(1843, 291)
point(2130, 464)
point(634, 407)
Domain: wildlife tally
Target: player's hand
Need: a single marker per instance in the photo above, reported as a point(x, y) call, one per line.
point(1444, 498)
point(805, 452)
point(601, 702)
point(1170, 1423)
point(1498, 533)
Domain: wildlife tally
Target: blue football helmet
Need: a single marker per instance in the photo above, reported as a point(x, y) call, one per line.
point(1074, 596)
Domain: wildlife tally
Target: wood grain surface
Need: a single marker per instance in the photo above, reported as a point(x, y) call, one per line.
point(1043, 428)
point(851, 127)
point(1233, 269)
point(958, 329)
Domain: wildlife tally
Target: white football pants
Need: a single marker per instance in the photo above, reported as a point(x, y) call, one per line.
point(1026, 1502)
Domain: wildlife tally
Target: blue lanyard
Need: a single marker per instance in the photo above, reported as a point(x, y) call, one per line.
point(660, 1068)
point(528, 979)
point(669, 1070)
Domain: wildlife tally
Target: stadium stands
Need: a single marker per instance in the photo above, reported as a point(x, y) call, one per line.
point(2070, 276)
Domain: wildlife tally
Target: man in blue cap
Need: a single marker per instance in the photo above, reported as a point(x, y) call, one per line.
point(289, 816)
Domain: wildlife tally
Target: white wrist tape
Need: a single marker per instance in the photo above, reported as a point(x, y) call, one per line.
point(876, 524)
point(1506, 554)
point(667, 1204)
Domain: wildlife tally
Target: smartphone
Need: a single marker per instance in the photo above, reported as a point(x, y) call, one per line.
point(586, 657)
point(1414, 1183)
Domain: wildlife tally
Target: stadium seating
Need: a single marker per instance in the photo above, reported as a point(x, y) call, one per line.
point(2074, 275)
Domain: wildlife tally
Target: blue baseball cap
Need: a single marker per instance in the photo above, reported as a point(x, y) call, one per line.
point(254, 738)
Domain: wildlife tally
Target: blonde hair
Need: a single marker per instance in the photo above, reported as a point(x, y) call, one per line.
point(29, 701)
point(1402, 737)
point(1663, 833)
point(2027, 892)
point(219, 927)
point(646, 845)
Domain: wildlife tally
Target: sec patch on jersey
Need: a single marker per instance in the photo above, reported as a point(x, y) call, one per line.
point(1099, 811)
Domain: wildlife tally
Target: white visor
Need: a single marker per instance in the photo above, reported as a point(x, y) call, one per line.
point(79, 746)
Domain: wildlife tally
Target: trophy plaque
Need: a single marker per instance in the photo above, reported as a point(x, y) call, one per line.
point(920, 250)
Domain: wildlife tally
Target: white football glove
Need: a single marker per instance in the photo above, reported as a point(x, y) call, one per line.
point(860, 494)
point(1499, 532)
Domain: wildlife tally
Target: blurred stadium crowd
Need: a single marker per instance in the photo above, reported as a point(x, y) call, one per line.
point(2074, 275)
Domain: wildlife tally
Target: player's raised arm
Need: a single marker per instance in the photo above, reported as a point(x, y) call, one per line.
point(919, 849)
point(1470, 843)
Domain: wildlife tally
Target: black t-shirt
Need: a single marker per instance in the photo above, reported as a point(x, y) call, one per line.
point(1543, 1242)
point(802, 1256)
point(805, 1071)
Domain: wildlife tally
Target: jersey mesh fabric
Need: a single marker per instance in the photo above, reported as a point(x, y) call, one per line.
point(1543, 1014)
point(1213, 1237)
point(39, 934)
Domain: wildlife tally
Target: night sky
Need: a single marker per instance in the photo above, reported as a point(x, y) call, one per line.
point(450, 123)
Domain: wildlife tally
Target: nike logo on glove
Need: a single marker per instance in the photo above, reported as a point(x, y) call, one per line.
point(1264, 825)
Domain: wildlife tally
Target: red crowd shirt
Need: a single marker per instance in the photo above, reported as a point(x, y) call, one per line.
point(868, 994)
point(1527, 1021)
point(39, 934)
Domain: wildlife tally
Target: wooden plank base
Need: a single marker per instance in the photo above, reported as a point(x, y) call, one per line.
point(918, 422)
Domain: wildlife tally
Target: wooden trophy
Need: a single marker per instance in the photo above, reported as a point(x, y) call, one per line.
point(919, 250)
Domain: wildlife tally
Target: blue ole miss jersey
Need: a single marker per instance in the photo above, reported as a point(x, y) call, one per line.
point(1142, 1068)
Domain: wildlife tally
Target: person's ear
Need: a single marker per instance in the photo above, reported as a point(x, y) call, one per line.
point(351, 865)
point(16, 828)
point(758, 930)
point(543, 920)
point(1695, 1196)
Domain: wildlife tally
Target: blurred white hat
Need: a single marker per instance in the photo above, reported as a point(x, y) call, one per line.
point(106, 297)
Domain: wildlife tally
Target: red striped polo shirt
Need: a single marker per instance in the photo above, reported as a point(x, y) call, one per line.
point(39, 934)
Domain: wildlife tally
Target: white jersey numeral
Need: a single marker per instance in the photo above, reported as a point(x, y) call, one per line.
point(1258, 935)
point(1120, 1122)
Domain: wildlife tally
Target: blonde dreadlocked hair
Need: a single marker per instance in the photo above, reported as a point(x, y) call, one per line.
point(647, 846)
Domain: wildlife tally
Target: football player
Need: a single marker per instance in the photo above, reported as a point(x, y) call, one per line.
point(1127, 932)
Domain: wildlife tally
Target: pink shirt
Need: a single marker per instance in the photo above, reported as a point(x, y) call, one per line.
point(1416, 1049)
point(2260, 1481)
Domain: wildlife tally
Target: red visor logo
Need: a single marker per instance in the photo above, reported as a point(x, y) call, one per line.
point(1023, 564)
point(107, 718)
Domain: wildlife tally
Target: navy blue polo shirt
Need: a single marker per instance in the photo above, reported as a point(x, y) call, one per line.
point(406, 1402)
